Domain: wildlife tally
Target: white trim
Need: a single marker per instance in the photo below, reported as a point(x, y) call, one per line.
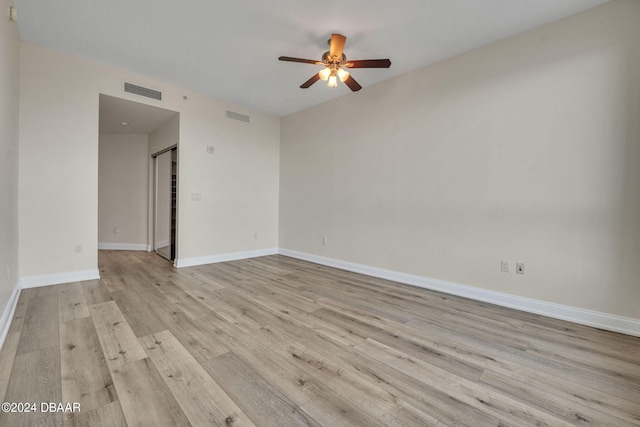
point(58, 278)
point(124, 246)
point(189, 262)
point(625, 325)
point(7, 315)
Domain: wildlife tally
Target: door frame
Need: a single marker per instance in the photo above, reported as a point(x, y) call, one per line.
point(154, 204)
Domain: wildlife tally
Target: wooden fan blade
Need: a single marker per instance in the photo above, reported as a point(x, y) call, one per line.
point(368, 63)
point(311, 81)
point(337, 45)
point(353, 84)
point(304, 61)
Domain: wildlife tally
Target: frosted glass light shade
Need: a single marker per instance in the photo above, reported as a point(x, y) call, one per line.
point(343, 74)
point(324, 74)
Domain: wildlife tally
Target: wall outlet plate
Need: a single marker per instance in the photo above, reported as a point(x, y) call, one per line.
point(504, 266)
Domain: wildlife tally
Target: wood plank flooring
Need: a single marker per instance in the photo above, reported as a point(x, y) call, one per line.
point(275, 341)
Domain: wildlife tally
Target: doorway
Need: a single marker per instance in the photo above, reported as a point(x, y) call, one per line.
point(166, 202)
point(131, 135)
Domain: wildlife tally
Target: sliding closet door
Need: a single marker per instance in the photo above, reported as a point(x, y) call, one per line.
point(163, 208)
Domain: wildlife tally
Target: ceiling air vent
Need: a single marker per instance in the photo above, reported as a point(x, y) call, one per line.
point(237, 116)
point(142, 91)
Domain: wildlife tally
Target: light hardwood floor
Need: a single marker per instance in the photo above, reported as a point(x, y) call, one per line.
point(274, 341)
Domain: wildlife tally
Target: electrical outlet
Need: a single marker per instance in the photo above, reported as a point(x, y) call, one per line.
point(116, 230)
point(196, 197)
point(324, 240)
point(255, 235)
point(519, 268)
point(504, 266)
point(78, 248)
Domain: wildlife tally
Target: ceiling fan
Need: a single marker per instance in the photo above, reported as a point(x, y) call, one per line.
point(334, 62)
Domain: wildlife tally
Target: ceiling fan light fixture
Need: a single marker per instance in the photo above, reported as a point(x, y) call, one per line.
point(343, 74)
point(324, 74)
point(335, 63)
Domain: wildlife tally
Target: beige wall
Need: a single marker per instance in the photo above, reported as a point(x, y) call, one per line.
point(123, 188)
point(59, 97)
point(165, 136)
point(525, 150)
point(9, 78)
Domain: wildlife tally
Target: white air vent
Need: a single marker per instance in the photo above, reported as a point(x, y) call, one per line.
point(237, 116)
point(142, 91)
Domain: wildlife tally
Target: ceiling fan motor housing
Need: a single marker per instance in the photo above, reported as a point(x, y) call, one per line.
point(329, 61)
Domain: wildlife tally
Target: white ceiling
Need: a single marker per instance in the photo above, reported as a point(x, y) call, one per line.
point(139, 118)
point(229, 49)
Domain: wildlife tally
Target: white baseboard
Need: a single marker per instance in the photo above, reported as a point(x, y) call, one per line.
point(124, 247)
point(190, 262)
point(58, 278)
point(625, 325)
point(7, 315)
